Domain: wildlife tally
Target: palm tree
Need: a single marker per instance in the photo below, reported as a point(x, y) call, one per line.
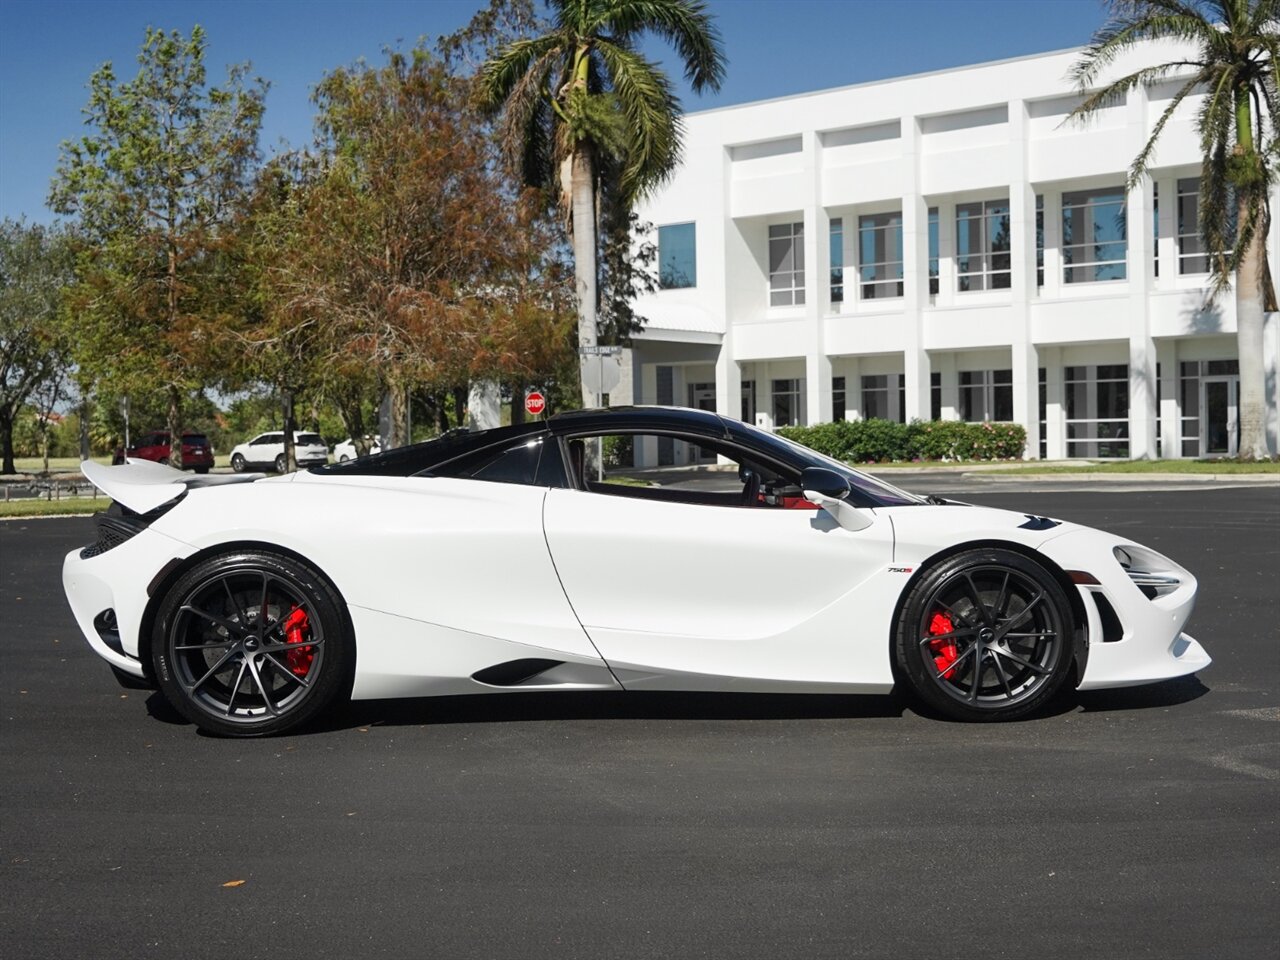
point(584, 111)
point(1233, 48)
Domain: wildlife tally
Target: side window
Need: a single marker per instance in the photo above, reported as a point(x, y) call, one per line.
point(533, 463)
point(628, 462)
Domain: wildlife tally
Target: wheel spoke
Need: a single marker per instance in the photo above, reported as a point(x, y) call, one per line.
point(956, 662)
point(977, 674)
point(235, 604)
point(1003, 598)
point(286, 671)
point(204, 646)
point(262, 687)
point(1003, 631)
point(1034, 667)
point(1027, 636)
point(227, 625)
point(236, 687)
point(955, 613)
point(1004, 677)
point(222, 661)
point(976, 597)
point(966, 632)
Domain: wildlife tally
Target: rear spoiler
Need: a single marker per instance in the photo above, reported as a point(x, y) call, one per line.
point(143, 485)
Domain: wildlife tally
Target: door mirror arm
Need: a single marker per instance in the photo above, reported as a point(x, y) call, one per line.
point(831, 491)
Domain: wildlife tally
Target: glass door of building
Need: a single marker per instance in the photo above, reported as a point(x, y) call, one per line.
point(1220, 423)
point(702, 396)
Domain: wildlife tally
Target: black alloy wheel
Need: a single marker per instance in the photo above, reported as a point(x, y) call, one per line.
point(985, 635)
point(251, 644)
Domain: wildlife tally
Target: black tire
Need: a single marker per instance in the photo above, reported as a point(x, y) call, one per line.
point(282, 463)
point(237, 463)
point(343, 459)
point(235, 673)
point(995, 609)
point(164, 461)
point(200, 469)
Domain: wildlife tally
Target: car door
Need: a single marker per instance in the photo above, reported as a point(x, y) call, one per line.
point(693, 596)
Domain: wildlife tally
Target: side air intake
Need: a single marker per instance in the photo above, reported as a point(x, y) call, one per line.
point(513, 672)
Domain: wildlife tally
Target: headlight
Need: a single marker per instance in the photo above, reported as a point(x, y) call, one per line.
point(1150, 572)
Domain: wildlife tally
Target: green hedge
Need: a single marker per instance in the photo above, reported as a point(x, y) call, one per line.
point(876, 441)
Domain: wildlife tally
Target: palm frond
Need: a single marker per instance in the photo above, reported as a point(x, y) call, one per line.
point(647, 99)
point(1138, 168)
point(685, 24)
point(1125, 30)
point(499, 76)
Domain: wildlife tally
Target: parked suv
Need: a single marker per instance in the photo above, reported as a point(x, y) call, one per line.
point(197, 454)
point(267, 449)
point(346, 450)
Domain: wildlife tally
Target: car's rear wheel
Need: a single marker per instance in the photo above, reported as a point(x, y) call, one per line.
point(343, 459)
point(200, 469)
point(237, 463)
point(985, 635)
point(251, 643)
point(282, 464)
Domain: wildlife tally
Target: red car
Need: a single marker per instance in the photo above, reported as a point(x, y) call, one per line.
point(197, 454)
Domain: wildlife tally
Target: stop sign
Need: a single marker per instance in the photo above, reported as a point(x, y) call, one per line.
point(535, 403)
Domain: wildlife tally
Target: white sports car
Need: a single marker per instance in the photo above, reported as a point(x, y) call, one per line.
point(253, 614)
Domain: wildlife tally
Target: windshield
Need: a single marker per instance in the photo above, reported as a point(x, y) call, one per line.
point(309, 439)
point(885, 494)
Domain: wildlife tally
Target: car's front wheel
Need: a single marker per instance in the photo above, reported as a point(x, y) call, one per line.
point(985, 635)
point(237, 463)
point(251, 643)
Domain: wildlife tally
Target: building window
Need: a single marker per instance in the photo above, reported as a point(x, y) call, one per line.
point(1043, 404)
point(786, 264)
point(838, 402)
point(1191, 253)
point(837, 260)
point(1155, 230)
point(1094, 235)
point(677, 256)
point(786, 403)
point(933, 251)
point(875, 397)
point(935, 396)
point(1039, 241)
point(1189, 374)
point(748, 401)
point(902, 399)
point(880, 255)
point(986, 395)
point(1097, 410)
point(982, 245)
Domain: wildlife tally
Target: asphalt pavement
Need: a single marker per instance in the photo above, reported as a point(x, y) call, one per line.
point(1139, 823)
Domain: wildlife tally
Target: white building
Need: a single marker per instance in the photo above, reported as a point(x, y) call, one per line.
point(916, 248)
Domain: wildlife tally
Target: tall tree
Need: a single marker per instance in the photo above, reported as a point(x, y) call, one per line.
point(154, 184)
point(35, 268)
point(400, 250)
point(1233, 46)
point(580, 102)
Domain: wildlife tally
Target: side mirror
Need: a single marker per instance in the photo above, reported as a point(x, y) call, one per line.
point(819, 483)
point(830, 490)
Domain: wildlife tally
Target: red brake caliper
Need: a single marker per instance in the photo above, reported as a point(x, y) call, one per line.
point(944, 651)
point(296, 629)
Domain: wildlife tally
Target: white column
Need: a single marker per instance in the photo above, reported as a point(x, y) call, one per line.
point(946, 253)
point(1142, 350)
point(852, 389)
point(1022, 228)
point(1170, 421)
point(915, 275)
point(817, 287)
point(944, 364)
point(764, 393)
point(1054, 404)
point(1052, 212)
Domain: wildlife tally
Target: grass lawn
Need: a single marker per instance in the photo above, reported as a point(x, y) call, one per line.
point(56, 464)
point(52, 508)
point(1208, 467)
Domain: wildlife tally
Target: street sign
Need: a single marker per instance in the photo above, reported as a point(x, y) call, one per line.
point(601, 373)
point(535, 403)
point(599, 351)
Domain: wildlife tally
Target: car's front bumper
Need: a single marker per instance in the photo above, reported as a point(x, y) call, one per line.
point(1149, 644)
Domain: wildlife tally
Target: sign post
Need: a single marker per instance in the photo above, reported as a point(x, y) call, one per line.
point(601, 372)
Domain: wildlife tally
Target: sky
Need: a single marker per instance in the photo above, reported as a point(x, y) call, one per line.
point(49, 48)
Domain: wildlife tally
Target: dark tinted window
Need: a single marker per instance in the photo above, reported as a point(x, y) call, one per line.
point(310, 439)
point(195, 439)
point(509, 464)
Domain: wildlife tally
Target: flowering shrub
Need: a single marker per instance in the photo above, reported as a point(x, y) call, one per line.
point(865, 441)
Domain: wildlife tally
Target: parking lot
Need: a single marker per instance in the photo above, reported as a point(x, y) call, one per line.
point(1125, 823)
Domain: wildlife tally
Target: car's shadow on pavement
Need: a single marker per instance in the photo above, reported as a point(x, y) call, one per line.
point(633, 705)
